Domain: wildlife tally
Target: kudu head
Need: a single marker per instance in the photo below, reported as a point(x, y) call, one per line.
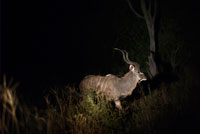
point(133, 66)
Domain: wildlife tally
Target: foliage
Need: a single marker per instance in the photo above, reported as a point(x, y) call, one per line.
point(69, 112)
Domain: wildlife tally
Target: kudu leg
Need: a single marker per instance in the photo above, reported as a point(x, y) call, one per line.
point(118, 104)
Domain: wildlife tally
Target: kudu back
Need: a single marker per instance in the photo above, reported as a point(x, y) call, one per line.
point(114, 88)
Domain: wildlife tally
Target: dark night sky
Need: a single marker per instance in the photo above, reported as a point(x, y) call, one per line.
point(48, 44)
point(52, 43)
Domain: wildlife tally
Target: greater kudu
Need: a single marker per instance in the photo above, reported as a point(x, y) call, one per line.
point(113, 87)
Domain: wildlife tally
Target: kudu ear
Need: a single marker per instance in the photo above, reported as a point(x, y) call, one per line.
point(132, 68)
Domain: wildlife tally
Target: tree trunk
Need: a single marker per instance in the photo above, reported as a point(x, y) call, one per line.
point(149, 16)
point(151, 62)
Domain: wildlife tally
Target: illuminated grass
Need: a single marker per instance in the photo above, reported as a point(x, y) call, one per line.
point(67, 111)
point(8, 107)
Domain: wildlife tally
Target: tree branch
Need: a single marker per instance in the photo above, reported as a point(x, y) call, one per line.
point(147, 14)
point(155, 10)
point(133, 10)
point(149, 7)
point(143, 7)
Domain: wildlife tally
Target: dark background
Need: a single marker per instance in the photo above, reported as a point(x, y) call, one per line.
point(47, 44)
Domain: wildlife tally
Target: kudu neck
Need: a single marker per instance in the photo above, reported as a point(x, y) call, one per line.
point(128, 82)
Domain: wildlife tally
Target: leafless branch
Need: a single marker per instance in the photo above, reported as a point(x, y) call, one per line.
point(155, 10)
point(144, 9)
point(133, 10)
point(149, 7)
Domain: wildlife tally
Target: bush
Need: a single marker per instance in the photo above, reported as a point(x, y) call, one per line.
point(69, 112)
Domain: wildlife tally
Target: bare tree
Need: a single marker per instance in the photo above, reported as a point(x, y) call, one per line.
point(149, 12)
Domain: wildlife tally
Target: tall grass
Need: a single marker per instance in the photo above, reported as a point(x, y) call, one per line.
point(8, 107)
point(67, 111)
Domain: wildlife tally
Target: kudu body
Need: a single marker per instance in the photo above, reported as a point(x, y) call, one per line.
point(112, 86)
